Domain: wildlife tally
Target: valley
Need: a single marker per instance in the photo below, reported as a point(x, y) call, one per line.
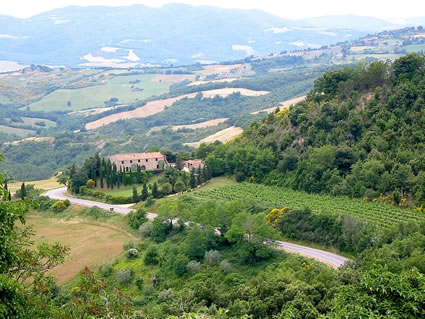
point(195, 162)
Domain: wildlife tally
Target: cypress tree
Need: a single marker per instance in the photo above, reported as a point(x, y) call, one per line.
point(23, 192)
point(155, 192)
point(199, 176)
point(179, 162)
point(204, 174)
point(145, 192)
point(9, 196)
point(193, 179)
point(135, 195)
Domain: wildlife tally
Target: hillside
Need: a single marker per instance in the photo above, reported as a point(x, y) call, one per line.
point(173, 34)
point(359, 133)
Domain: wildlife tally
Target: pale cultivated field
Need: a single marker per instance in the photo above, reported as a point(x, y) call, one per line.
point(157, 106)
point(222, 136)
point(50, 140)
point(212, 81)
point(219, 68)
point(201, 125)
point(282, 105)
point(92, 244)
point(173, 78)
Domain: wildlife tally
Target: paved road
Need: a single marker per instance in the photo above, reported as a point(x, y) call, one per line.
point(328, 258)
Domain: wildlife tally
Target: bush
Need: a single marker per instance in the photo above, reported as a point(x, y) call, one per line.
point(67, 202)
point(106, 269)
point(151, 256)
point(133, 253)
point(166, 295)
point(166, 188)
point(139, 283)
point(193, 267)
point(119, 199)
point(180, 265)
point(225, 266)
point(212, 257)
point(59, 206)
point(124, 276)
point(90, 184)
point(128, 245)
point(137, 218)
point(149, 201)
point(145, 229)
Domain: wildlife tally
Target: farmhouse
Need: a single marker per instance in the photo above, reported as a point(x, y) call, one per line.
point(146, 161)
point(193, 164)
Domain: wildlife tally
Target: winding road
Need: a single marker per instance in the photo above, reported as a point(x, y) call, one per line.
point(328, 258)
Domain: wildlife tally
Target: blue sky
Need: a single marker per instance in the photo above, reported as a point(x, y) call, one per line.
point(395, 11)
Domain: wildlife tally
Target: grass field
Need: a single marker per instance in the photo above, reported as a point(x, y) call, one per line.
point(17, 131)
point(274, 197)
point(92, 243)
point(33, 120)
point(46, 184)
point(94, 96)
point(414, 48)
point(127, 191)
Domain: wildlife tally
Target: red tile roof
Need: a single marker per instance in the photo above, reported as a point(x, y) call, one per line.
point(135, 156)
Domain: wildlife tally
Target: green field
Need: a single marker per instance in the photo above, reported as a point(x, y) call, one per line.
point(17, 131)
point(274, 197)
point(95, 96)
point(32, 120)
point(414, 48)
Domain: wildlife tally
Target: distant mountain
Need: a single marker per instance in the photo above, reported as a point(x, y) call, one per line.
point(173, 34)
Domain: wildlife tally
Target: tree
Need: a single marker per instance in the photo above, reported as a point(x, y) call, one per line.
point(90, 184)
point(135, 195)
point(23, 191)
point(166, 188)
point(155, 192)
point(145, 193)
point(179, 186)
point(26, 286)
point(193, 183)
point(179, 162)
point(137, 218)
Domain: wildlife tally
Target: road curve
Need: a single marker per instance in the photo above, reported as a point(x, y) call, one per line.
point(328, 258)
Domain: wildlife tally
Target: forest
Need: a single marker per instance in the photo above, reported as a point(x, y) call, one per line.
point(359, 133)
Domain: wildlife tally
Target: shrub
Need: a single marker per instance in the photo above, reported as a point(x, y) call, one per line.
point(137, 218)
point(225, 266)
point(139, 283)
point(145, 229)
point(212, 257)
point(133, 253)
point(165, 295)
point(124, 276)
point(180, 265)
point(67, 202)
point(179, 186)
point(193, 267)
point(149, 201)
point(90, 183)
point(128, 245)
point(151, 256)
point(106, 269)
point(166, 188)
point(59, 206)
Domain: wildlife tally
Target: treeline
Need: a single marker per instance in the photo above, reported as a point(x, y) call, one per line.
point(359, 133)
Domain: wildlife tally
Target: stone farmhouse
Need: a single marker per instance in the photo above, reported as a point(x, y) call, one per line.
point(193, 164)
point(154, 161)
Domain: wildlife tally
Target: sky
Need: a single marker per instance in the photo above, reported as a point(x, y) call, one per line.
point(392, 10)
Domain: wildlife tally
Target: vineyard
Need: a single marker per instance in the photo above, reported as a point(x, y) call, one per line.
point(274, 197)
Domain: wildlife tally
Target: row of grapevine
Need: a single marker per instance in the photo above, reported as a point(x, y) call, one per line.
point(276, 197)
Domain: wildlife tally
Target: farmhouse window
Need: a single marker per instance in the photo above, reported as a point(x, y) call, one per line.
point(138, 161)
point(146, 160)
point(126, 169)
point(157, 166)
point(122, 162)
point(156, 159)
point(131, 162)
